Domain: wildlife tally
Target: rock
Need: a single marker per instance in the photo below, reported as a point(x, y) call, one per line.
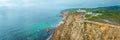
point(47, 30)
point(72, 29)
point(64, 14)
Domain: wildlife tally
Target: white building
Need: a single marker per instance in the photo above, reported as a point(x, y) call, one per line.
point(81, 11)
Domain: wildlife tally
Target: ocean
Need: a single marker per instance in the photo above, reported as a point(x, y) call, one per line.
point(29, 19)
point(27, 24)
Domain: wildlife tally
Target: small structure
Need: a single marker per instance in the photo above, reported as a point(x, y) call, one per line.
point(81, 11)
point(93, 14)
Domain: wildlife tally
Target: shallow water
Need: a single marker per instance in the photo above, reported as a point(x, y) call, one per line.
point(23, 24)
point(28, 20)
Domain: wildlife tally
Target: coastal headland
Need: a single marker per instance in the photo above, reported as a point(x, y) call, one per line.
point(76, 26)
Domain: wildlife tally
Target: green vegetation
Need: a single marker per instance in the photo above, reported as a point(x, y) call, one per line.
point(112, 14)
point(109, 14)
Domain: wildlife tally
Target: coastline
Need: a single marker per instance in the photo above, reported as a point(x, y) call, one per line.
point(73, 28)
point(61, 22)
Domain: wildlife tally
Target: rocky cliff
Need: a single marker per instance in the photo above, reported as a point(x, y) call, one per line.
point(75, 27)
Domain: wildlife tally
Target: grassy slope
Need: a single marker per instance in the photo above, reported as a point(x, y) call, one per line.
point(111, 13)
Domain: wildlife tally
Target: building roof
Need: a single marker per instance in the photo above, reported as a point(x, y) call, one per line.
point(81, 10)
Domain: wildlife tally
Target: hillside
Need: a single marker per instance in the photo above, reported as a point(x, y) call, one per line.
point(89, 24)
point(76, 28)
point(109, 15)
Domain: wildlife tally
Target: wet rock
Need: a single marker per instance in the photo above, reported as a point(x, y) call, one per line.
point(47, 30)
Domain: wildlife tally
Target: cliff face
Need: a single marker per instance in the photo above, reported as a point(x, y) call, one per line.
point(76, 28)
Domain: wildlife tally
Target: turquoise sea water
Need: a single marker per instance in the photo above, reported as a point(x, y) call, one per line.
point(27, 24)
point(28, 19)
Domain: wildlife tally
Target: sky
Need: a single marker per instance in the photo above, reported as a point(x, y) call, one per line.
point(60, 3)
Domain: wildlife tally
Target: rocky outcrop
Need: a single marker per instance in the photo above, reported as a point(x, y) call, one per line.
point(76, 28)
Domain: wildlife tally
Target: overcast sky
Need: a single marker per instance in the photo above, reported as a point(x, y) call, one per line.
point(61, 3)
